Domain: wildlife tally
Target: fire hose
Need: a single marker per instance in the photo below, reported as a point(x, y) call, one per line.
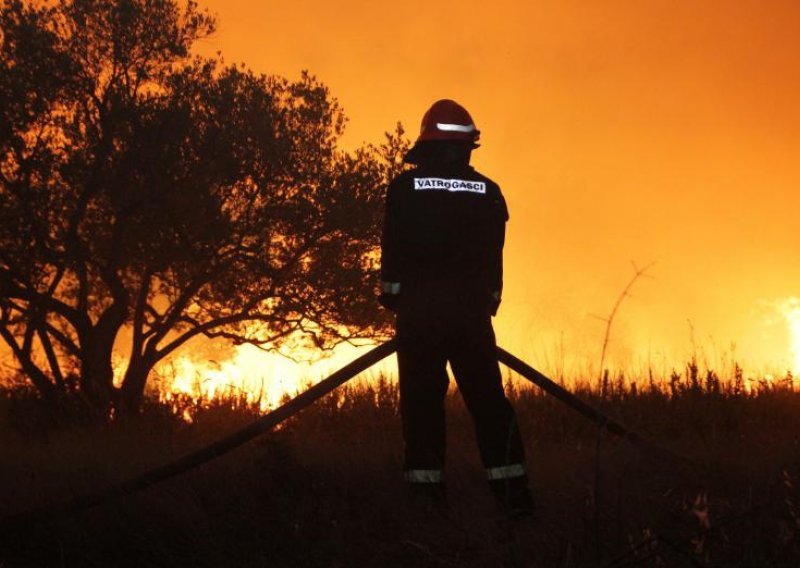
point(292, 407)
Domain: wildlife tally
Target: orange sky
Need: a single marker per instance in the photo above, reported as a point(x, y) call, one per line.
point(618, 130)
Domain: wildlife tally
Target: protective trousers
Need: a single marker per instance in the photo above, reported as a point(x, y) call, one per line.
point(437, 323)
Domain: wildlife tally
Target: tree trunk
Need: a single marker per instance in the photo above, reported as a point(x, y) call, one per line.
point(97, 380)
point(131, 394)
point(97, 372)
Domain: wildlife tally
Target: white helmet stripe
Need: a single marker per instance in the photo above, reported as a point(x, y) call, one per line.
point(455, 127)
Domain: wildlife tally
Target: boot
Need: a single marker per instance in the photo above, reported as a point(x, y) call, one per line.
point(428, 495)
point(513, 495)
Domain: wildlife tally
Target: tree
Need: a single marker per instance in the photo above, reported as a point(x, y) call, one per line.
point(148, 197)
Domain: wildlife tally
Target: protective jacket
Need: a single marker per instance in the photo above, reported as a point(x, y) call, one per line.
point(444, 223)
point(442, 267)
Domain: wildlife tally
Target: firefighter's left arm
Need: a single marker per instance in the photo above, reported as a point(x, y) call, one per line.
point(497, 238)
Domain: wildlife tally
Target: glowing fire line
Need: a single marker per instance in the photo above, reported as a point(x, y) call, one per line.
point(265, 379)
point(250, 374)
point(790, 309)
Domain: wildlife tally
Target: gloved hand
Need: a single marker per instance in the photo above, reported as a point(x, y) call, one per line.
point(390, 295)
point(389, 301)
point(494, 302)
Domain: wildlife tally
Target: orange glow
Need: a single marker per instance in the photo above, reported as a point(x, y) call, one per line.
point(628, 131)
point(791, 311)
point(646, 131)
point(618, 131)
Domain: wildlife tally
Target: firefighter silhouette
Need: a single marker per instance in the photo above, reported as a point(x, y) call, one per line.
point(442, 274)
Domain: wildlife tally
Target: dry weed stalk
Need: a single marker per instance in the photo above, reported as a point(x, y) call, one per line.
point(638, 273)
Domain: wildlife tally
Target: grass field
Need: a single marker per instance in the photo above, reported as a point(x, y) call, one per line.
point(325, 489)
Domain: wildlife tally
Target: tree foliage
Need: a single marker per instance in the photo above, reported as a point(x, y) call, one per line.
point(148, 197)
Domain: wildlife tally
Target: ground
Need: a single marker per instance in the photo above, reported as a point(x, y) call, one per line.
point(326, 489)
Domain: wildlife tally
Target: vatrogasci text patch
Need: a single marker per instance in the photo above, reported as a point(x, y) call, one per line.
point(442, 184)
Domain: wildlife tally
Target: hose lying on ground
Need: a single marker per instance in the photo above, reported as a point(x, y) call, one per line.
point(289, 409)
point(207, 453)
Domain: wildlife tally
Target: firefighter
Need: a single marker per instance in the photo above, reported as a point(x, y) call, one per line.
point(441, 272)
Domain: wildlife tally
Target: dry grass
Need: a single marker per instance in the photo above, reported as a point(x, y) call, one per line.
point(325, 489)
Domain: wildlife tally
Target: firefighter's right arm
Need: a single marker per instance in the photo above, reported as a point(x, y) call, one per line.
point(391, 249)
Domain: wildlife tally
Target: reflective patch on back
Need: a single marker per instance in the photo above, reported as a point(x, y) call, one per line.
point(442, 184)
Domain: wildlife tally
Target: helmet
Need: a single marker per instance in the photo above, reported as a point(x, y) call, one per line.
point(448, 120)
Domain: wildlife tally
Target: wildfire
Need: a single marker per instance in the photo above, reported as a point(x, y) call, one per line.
point(250, 374)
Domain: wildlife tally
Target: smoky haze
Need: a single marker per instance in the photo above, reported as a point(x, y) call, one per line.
point(618, 131)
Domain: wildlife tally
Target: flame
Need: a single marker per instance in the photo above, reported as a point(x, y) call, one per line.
point(255, 376)
point(251, 374)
